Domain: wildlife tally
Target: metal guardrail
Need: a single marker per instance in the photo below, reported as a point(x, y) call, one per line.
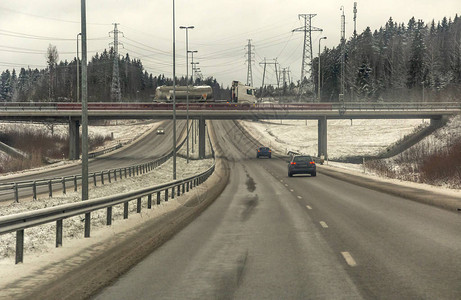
point(21, 221)
point(104, 151)
point(74, 180)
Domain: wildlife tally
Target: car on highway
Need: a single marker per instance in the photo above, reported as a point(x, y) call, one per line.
point(302, 164)
point(160, 130)
point(263, 151)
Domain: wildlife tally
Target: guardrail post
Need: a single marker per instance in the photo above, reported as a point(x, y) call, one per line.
point(125, 172)
point(34, 190)
point(179, 190)
point(19, 246)
point(129, 171)
point(183, 187)
point(63, 185)
point(137, 170)
point(115, 175)
point(158, 198)
point(94, 178)
point(187, 186)
point(87, 224)
point(149, 201)
point(121, 177)
point(75, 183)
point(125, 210)
point(59, 233)
point(166, 195)
point(108, 176)
point(102, 177)
point(109, 216)
point(138, 205)
point(16, 193)
point(50, 189)
point(172, 192)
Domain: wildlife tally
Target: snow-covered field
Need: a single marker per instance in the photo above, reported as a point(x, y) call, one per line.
point(345, 137)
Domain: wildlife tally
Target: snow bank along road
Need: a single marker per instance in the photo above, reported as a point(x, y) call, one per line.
point(268, 236)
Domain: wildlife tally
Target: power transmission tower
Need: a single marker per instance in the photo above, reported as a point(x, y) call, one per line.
point(115, 93)
point(307, 50)
point(250, 60)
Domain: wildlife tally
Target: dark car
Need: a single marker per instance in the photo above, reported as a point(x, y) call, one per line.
point(302, 164)
point(263, 151)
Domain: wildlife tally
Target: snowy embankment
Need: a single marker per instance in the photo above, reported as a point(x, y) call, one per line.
point(122, 132)
point(356, 138)
point(41, 238)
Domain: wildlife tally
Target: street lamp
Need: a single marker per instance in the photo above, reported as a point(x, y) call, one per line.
point(174, 96)
point(318, 84)
point(187, 86)
point(192, 63)
point(78, 73)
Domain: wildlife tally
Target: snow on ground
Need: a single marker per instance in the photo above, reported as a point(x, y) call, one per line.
point(123, 132)
point(40, 239)
point(345, 137)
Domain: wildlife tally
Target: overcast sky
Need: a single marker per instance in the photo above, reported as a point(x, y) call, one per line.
point(222, 29)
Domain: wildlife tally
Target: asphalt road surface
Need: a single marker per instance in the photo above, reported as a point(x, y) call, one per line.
point(149, 148)
point(269, 236)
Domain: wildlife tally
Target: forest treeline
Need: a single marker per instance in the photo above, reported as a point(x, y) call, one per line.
point(399, 62)
point(58, 82)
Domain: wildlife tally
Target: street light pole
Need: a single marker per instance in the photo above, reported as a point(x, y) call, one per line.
point(187, 87)
point(78, 73)
point(174, 95)
point(318, 83)
point(193, 82)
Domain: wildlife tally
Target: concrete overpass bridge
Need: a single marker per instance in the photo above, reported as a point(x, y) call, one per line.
point(71, 114)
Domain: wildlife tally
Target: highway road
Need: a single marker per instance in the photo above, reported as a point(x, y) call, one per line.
point(149, 148)
point(268, 236)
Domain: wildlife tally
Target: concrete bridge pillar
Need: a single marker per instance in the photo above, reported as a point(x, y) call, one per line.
point(74, 139)
point(201, 138)
point(322, 137)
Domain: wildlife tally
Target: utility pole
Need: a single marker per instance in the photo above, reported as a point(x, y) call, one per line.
point(250, 61)
point(78, 72)
point(343, 53)
point(115, 93)
point(307, 50)
point(192, 64)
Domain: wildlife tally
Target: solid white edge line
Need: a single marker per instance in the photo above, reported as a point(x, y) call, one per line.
point(324, 225)
point(349, 259)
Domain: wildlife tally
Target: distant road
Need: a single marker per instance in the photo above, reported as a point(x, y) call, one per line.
point(149, 148)
point(272, 237)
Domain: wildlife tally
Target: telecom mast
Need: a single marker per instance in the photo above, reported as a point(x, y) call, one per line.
point(343, 53)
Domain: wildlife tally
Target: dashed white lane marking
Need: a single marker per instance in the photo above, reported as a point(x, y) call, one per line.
point(299, 197)
point(286, 184)
point(349, 259)
point(281, 180)
point(308, 207)
point(324, 225)
point(292, 190)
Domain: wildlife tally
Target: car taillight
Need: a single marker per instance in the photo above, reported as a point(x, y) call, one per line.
point(312, 163)
point(259, 151)
point(293, 163)
point(270, 151)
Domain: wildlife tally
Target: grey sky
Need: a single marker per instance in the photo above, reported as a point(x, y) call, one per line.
point(222, 30)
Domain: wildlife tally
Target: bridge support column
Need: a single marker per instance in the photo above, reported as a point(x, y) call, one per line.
point(201, 138)
point(74, 139)
point(322, 137)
